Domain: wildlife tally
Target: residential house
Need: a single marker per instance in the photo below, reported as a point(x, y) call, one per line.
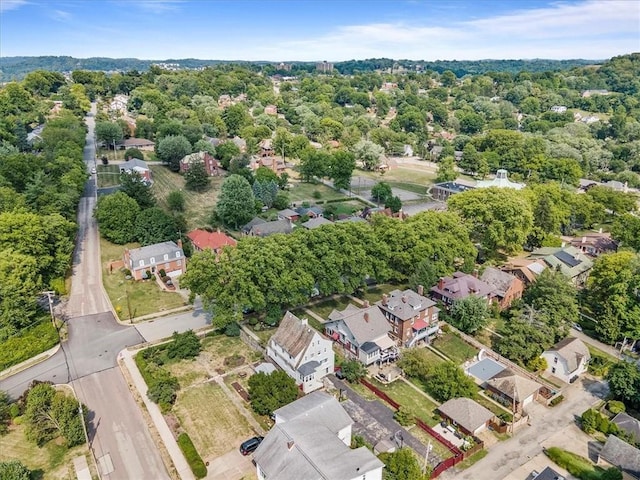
point(270, 228)
point(547, 474)
point(470, 417)
point(299, 350)
point(620, 454)
point(246, 229)
point(507, 287)
point(272, 163)
point(167, 256)
point(567, 359)
point(451, 289)
point(589, 93)
point(139, 143)
point(526, 269)
point(363, 333)
point(594, 244)
point(311, 440)
point(271, 110)
point(512, 390)
point(573, 264)
point(138, 166)
point(442, 191)
point(211, 165)
point(289, 215)
point(224, 101)
point(629, 425)
point(266, 148)
point(204, 240)
point(241, 143)
point(311, 212)
point(35, 134)
point(558, 109)
point(501, 180)
point(119, 103)
point(316, 222)
point(412, 316)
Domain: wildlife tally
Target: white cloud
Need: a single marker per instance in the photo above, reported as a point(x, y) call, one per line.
point(6, 5)
point(155, 6)
point(590, 29)
point(61, 15)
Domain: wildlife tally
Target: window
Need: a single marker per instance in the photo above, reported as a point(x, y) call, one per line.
point(555, 359)
point(152, 260)
point(553, 370)
point(166, 257)
point(179, 263)
point(141, 263)
point(177, 254)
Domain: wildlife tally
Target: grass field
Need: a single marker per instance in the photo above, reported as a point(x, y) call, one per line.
point(212, 420)
point(108, 175)
point(216, 349)
point(407, 396)
point(312, 192)
point(454, 347)
point(348, 207)
point(413, 175)
point(144, 297)
point(489, 405)
point(198, 206)
point(325, 307)
point(51, 462)
point(374, 292)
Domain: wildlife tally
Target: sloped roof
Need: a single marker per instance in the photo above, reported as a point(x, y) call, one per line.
point(500, 181)
point(254, 221)
point(194, 157)
point(406, 304)
point(500, 280)
point(320, 406)
point(157, 250)
point(619, 453)
point(365, 324)
point(514, 386)
point(462, 285)
point(213, 240)
point(573, 350)
point(293, 334)
point(269, 228)
point(134, 142)
point(133, 163)
point(628, 424)
point(316, 222)
point(570, 260)
point(466, 413)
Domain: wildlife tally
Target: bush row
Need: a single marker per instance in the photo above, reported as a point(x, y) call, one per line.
point(194, 459)
point(28, 344)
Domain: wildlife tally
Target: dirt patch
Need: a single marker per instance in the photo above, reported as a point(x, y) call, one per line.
point(234, 361)
point(241, 391)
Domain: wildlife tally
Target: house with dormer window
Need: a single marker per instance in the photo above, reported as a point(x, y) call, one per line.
point(167, 256)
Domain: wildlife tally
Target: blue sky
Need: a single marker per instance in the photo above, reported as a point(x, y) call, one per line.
point(332, 30)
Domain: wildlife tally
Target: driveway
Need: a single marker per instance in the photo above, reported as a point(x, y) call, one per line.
point(374, 421)
point(505, 457)
point(230, 466)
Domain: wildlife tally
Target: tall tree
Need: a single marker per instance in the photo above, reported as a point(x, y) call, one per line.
point(236, 203)
point(173, 148)
point(225, 152)
point(470, 314)
point(626, 230)
point(196, 177)
point(134, 186)
point(109, 132)
point(116, 215)
point(446, 170)
point(381, 192)
point(154, 225)
point(341, 169)
point(314, 164)
point(270, 392)
point(368, 153)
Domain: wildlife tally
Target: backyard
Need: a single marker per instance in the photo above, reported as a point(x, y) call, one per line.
point(198, 206)
point(454, 348)
point(325, 307)
point(408, 396)
point(108, 175)
point(132, 298)
point(312, 193)
point(50, 462)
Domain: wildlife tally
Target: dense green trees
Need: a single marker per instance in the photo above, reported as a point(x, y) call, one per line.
point(470, 314)
point(196, 177)
point(624, 383)
point(402, 464)
point(626, 230)
point(14, 470)
point(173, 148)
point(116, 215)
point(270, 392)
point(236, 203)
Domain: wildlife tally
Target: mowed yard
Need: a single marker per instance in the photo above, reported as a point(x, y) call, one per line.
point(51, 462)
point(198, 206)
point(141, 297)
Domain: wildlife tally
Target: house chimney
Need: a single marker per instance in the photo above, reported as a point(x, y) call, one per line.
point(219, 230)
point(600, 230)
point(404, 299)
point(385, 299)
point(420, 290)
point(365, 304)
point(290, 444)
point(584, 239)
point(366, 317)
point(475, 273)
point(179, 243)
point(441, 283)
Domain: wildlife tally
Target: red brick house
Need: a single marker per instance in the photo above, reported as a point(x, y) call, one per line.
point(167, 256)
point(411, 315)
point(211, 165)
point(507, 287)
point(451, 289)
point(202, 240)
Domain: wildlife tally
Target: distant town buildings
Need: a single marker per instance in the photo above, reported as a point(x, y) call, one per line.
point(324, 67)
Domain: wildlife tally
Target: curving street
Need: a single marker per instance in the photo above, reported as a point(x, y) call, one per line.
point(118, 434)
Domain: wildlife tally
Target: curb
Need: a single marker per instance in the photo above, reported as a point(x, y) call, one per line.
point(41, 357)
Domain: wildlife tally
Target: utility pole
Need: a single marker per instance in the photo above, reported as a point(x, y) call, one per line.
point(49, 293)
point(426, 456)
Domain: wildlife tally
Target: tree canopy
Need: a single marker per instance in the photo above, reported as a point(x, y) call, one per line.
point(236, 203)
point(270, 392)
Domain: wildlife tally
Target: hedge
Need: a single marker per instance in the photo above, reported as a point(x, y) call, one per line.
point(194, 459)
point(28, 344)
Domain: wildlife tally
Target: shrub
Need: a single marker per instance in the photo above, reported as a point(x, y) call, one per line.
point(58, 285)
point(28, 343)
point(616, 406)
point(164, 392)
point(232, 330)
point(353, 370)
point(162, 273)
point(184, 346)
point(14, 411)
point(556, 400)
point(317, 194)
point(194, 459)
point(404, 416)
point(14, 470)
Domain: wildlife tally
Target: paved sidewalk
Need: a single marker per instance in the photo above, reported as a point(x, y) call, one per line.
point(154, 412)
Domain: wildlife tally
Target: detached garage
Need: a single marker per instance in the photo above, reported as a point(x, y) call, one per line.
point(469, 416)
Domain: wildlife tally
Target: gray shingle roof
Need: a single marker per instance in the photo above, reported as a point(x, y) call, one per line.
point(271, 228)
point(548, 474)
point(133, 163)
point(155, 251)
point(572, 350)
point(254, 221)
point(628, 424)
point(466, 413)
point(500, 280)
point(365, 324)
point(571, 261)
point(304, 443)
point(316, 222)
point(461, 285)
point(308, 368)
point(622, 455)
point(406, 304)
point(514, 386)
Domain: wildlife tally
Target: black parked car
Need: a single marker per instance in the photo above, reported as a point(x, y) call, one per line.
point(250, 445)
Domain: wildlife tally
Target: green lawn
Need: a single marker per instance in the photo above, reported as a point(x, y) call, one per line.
point(50, 462)
point(410, 187)
point(312, 192)
point(198, 206)
point(407, 396)
point(374, 292)
point(455, 348)
point(108, 175)
point(489, 405)
point(130, 297)
point(325, 307)
point(600, 361)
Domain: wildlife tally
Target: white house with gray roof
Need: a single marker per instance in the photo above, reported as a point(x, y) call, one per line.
point(363, 333)
point(567, 359)
point(299, 350)
point(311, 440)
point(167, 256)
